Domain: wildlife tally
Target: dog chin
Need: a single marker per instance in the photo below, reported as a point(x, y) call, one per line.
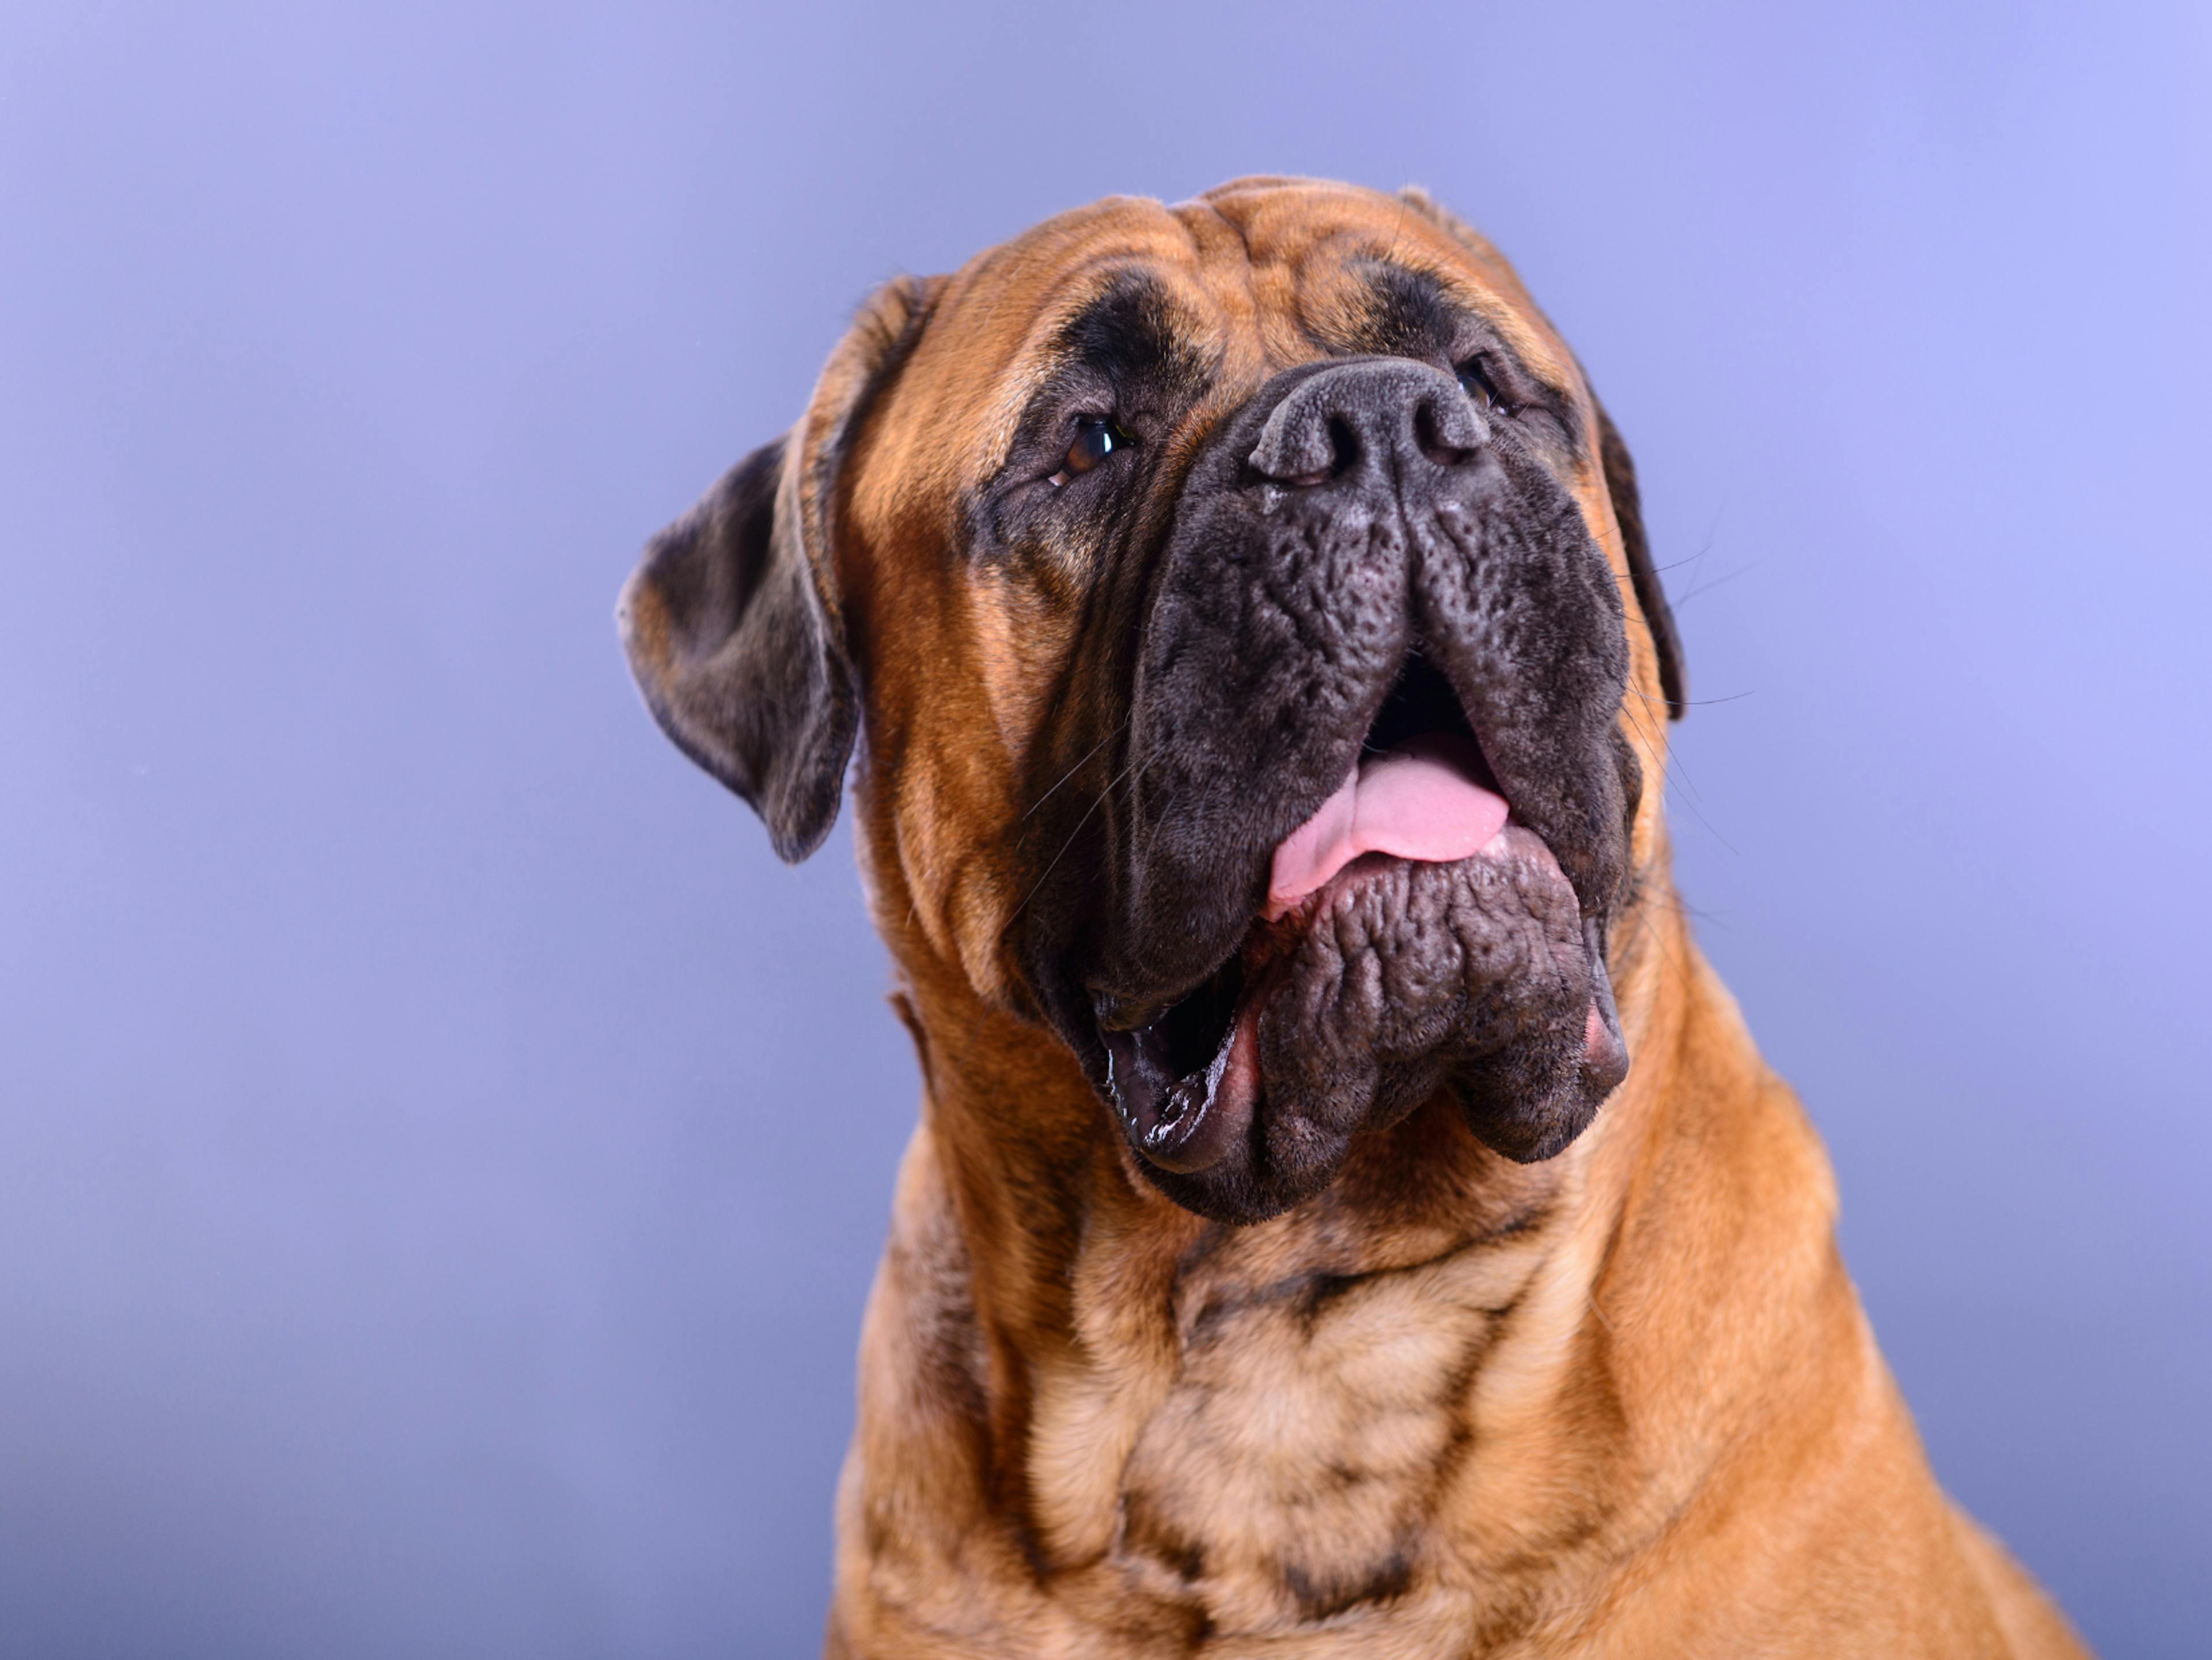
point(1400, 978)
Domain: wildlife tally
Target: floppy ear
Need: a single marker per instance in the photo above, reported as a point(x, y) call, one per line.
point(732, 620)
point(1628, 513)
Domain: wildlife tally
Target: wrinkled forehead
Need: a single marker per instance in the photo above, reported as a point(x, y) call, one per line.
point(1239, 283)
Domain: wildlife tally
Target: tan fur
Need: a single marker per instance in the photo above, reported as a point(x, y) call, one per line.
point(1620, 1403)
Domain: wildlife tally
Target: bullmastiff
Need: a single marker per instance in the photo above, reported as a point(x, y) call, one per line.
point(1346, 1215)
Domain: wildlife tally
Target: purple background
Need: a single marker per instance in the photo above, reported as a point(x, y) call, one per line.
point(442, 1154)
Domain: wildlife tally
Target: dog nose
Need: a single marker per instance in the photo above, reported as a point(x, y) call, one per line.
point(1384, 413)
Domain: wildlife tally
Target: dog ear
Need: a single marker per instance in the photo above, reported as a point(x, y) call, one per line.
point(732, 620)
point(1628, 513)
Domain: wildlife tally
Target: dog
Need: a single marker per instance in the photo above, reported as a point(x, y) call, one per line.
point(1347, 1213)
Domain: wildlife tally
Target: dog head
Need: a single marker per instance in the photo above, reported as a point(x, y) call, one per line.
point(1247, 608)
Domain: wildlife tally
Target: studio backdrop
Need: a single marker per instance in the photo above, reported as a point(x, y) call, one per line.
point(443, 1153)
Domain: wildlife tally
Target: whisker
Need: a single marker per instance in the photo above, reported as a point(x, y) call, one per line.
point(1073, 770)
point(1722, 581)
point(1095, 804)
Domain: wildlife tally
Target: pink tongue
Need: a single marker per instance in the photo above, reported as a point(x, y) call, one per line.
point(1419, 800)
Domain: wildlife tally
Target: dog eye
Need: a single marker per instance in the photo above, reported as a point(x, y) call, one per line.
point(1476, 385)
point(1096, 437)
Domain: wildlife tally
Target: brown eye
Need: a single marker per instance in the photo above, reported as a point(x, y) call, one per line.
point(1476, 385)
point(1096, 438)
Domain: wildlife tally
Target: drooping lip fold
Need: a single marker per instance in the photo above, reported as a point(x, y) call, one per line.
point(1185, 1081)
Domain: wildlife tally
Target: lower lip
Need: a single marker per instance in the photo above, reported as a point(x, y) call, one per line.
point(1216, 1105)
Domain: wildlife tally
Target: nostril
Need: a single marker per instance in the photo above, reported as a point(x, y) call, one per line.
point(1424, 425)
point(1444, 435)
point(1343, 447)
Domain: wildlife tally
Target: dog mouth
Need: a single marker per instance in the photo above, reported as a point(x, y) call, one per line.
point(1186, 1082)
